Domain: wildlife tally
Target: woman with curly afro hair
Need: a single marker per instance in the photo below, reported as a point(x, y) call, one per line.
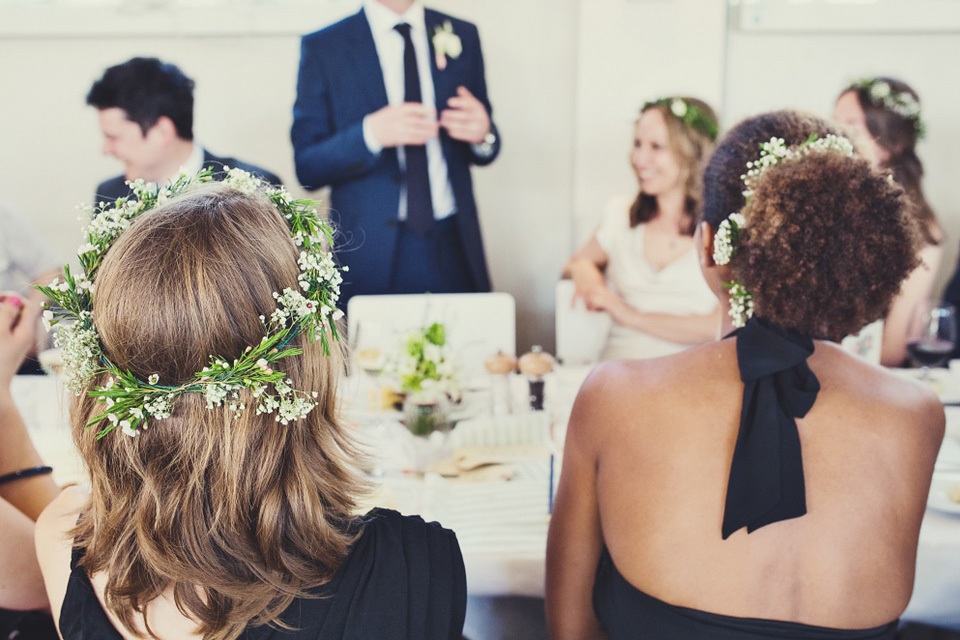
point(747, 488)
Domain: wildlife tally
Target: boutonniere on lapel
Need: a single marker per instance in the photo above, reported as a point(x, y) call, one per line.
point(446, 43)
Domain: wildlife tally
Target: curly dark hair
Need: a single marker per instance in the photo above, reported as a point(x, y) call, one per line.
point(828, 240)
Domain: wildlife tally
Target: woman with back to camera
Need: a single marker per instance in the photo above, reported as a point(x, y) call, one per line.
point(745, 489)
point(223, 495)
point(640, 266)
point(883, 117)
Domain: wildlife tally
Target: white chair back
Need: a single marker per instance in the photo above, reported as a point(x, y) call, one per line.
point(477, 324)
point(581, 334)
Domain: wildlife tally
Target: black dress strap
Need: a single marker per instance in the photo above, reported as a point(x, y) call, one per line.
point(766, 476)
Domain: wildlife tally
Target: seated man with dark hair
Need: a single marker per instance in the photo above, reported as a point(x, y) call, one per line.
point(146, 117)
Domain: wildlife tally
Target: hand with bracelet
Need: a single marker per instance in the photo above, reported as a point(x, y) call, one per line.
point(26, 486)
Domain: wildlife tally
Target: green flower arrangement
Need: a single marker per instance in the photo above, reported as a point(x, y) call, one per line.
point(425, 367)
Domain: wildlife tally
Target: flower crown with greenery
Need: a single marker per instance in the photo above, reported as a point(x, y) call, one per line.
point(130, 401)
point(902, 103)
point(692, 116)
point(730, 230)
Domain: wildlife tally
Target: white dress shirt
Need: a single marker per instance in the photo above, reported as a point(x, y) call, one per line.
point(390, 46)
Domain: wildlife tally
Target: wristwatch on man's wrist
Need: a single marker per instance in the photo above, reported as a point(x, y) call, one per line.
point(485, 148)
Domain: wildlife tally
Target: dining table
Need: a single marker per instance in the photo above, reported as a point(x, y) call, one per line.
point(492, 479)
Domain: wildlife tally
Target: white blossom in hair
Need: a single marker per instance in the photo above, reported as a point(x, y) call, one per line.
point(726, 238)
point(130, 402)
point(902, 103)
point(741, 303)
point(775, 151)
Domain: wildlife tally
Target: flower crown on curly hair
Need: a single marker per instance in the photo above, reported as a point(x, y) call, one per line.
point(692, 116)
point(902, 103)
point(130, 401)
point(731, 228)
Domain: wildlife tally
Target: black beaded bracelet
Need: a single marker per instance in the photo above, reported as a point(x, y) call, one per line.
point(25, 473)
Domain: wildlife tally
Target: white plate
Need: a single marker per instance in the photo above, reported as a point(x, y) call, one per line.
point(943, 483)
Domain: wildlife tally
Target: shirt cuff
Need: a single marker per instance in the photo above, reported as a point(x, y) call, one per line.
point(373, 145)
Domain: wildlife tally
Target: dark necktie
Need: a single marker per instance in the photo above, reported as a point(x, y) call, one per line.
point(419, 201)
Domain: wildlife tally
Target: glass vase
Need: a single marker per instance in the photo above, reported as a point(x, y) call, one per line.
point(423, 416)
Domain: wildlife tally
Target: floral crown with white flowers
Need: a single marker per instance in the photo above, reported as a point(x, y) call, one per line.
point(692, 116)
point(129, 401)
point(730, 230)
point(902, 103)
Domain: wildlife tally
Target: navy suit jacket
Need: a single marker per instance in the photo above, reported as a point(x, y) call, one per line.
point(114, 188)
point(339, 83)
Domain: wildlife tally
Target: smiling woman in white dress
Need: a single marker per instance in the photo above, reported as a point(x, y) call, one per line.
point(640, 266)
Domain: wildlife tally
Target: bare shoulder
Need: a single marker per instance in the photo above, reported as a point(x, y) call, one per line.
point(54, 544)
point(892, 399)
point(61, 514)
point(617, 391)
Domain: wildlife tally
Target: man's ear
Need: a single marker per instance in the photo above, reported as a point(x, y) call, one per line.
point(163, 128)
point(705, 246)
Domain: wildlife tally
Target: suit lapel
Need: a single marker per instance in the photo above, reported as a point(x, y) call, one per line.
point(363, 56)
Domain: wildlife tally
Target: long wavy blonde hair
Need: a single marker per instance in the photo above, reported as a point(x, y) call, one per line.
point(237, 515)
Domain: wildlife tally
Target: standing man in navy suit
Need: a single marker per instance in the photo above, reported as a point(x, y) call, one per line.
point(391, 112)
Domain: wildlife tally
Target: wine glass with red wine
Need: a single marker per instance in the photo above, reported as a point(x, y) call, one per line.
point(933, 336)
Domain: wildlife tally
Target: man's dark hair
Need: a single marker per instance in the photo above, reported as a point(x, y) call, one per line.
point(146, 88)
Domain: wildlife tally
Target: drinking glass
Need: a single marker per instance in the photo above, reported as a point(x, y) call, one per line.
point(933, 336)
point(370, 356)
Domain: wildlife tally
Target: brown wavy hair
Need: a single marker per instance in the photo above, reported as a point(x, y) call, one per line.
point(692, 149)
point(898, 136)
point(828, 240)
point(236, 513)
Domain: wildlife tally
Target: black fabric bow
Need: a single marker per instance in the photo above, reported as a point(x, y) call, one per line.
point(766, 477)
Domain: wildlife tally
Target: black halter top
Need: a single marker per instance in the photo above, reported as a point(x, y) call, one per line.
point(766, 485)
point(630, 614)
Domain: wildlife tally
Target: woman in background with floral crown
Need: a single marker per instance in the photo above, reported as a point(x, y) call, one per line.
point(218, 514)
point(745, 489)
point(882, 116)
point(640, 266)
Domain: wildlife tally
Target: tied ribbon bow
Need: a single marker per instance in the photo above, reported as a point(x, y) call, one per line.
point(766, 477)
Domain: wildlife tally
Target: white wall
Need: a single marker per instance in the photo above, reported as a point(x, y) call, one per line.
point(566, 78)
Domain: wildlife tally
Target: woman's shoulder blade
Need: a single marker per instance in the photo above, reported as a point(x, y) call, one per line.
point(869, 389)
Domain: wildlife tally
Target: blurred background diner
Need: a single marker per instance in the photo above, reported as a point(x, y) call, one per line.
point(640, 266)
point(566, 78)
point(884, 118)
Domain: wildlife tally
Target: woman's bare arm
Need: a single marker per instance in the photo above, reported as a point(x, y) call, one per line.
point(18, 319)
point(575, 540)
point(21, 585)
point(682, 329)
point(585, 268)
point(908, 303)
